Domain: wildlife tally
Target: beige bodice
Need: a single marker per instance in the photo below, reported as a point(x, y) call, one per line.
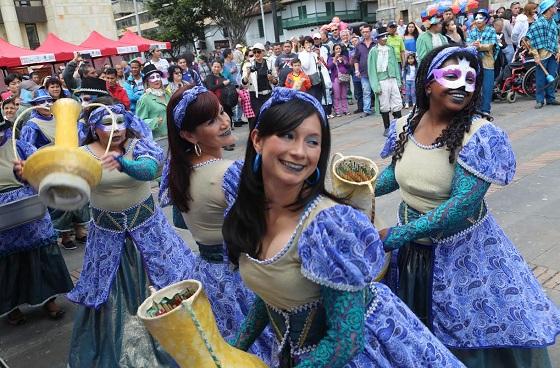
point(47, 128)
point(206, 215)
point(424, 173)
point(279, 281)
point(7, 177)
point(118, 191)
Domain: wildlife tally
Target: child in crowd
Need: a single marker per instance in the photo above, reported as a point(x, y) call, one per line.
point(297, 79)
point(409, 77)
point(245, 102)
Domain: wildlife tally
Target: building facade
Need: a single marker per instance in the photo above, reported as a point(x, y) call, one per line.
point(26, 23)
point(125, 16)
point(295, 19)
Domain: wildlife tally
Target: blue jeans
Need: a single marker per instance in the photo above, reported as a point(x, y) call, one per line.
point(366, 89)
point(547, 94)
point(487, 90)
point(410, 92)
point(237, 113)
point(508, 53)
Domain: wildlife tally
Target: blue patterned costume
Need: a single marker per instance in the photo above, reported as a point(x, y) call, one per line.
point(464, 277)
point(319, 296)
point(32, 269)
point(229, 298)
point(130, 246)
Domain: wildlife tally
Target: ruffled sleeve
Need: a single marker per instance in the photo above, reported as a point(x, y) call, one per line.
point(488, 155)
point(231, 182)
point(24, 149)
point(391, 141)
point(163, 195)
point(341, 249)
point(83, 131)
point(138, 125)
point(29, 132)
point(148, 148)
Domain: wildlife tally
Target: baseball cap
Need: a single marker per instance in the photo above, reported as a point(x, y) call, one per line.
point(317, 35)
point(392, 24)
point(259, 46)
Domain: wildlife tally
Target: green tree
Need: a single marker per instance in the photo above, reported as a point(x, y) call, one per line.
point(180, 21)
point(233, 15)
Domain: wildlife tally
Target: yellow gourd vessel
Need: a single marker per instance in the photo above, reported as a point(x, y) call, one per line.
point(189, 332)
point(353, 178)
point(63, 174)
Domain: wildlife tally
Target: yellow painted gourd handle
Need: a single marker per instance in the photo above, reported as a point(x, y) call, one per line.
point(24, 112)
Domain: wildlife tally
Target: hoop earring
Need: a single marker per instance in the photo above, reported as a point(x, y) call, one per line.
point(257, 163)
point(197, 150)
point(316, 180)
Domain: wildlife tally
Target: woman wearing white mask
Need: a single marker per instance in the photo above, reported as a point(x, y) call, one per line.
point(153, 104)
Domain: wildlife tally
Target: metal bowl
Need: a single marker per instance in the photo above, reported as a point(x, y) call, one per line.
point(21, 211)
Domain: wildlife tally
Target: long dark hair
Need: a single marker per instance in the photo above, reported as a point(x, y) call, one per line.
point(205, 108)
point(90, 137)
point(415, 33)
point(171, 72)
point(245, 224)
point(343, 50)
point(452, 136)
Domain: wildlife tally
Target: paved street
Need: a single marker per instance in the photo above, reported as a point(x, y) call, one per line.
point(528, 209)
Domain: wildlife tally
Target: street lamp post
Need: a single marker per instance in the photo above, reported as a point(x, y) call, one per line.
point(262, 16)
point(137, 18)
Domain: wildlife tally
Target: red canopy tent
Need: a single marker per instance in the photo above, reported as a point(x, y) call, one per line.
point(143, 44)
point(11, 56)
point(108, 46)
point(64, 51)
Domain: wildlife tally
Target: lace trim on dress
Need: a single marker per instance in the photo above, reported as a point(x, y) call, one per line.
point(310, 207)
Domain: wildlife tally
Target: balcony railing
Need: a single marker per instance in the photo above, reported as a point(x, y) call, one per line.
point(30, 11)
point(320, 18)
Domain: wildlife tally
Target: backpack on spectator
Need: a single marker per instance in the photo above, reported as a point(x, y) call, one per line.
point(229, 96)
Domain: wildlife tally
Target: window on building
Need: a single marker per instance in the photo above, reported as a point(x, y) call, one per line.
point(225, 32)
point(363, 9)
point(302, 12)
point(32, 36)
point(329, 7)
point(280, 27)
point(261, 27)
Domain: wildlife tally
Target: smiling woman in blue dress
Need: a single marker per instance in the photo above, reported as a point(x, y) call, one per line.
point(458, 271)
point(130, 246)
point(311, 260)
point(199, 182)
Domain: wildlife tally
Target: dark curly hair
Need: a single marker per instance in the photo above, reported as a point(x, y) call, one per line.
point(452, 136)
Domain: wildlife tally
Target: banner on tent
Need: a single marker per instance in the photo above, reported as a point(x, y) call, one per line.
point(36, 59)
point(127, 49)
point(92, 52)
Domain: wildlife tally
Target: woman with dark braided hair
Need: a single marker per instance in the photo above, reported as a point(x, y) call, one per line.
point(457, 270)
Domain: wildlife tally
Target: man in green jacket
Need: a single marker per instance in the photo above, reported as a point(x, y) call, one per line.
point(385, 79)
point(430, 39)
